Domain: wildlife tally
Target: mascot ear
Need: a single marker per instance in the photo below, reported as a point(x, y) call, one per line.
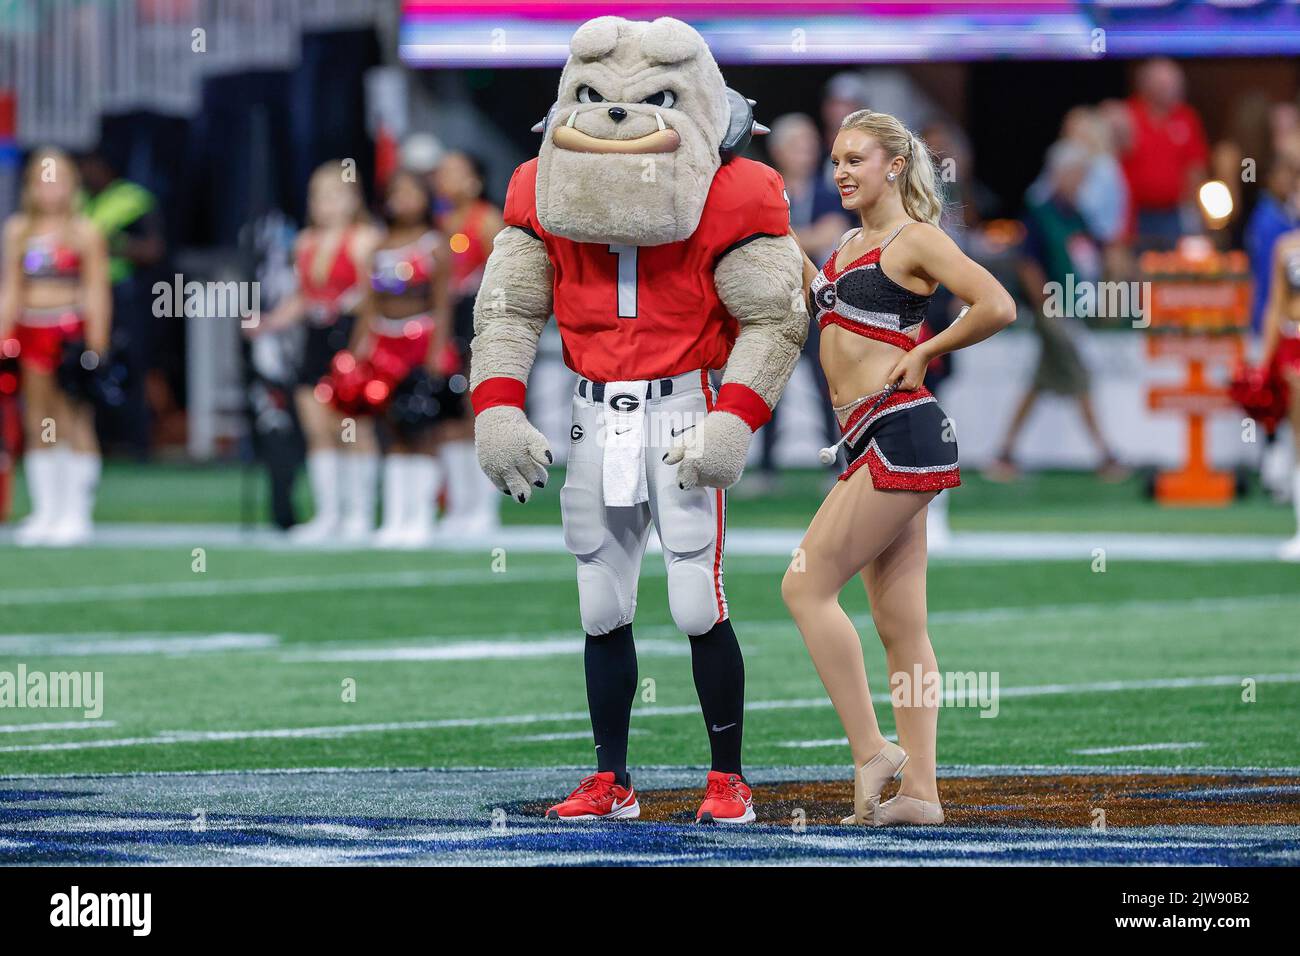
point(741, 126)
point(595, 38)
point(542, 125)
point(667, 41)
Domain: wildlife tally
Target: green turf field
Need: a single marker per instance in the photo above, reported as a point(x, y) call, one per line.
point(1175, 639)
point(1043, 501)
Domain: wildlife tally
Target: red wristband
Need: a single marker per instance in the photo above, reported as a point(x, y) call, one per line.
point(500, 390)
point(745, 403)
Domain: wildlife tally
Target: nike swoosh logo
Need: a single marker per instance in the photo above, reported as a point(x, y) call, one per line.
point(718, 730)
point(623, 432)
point(619, 806)
point(677, 431)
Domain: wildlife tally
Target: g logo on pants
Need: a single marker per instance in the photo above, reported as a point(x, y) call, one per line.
point(623, 402)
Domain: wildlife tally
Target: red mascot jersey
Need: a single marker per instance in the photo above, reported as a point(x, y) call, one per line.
point(646, 312)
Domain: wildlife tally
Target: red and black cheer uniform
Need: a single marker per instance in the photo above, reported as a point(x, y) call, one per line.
point(330, 307)
point(908, 442)
point(1287, 358)
point(42, 332)
point(403, 344)
point(467, 269)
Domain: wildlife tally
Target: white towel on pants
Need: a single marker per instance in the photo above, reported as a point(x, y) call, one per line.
point(623, 433)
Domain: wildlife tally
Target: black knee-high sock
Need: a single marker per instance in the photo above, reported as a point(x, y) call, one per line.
point(610, 662)
point(719, 673)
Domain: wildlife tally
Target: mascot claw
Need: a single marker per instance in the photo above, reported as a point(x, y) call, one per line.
point(715, 455)
point(511, 452)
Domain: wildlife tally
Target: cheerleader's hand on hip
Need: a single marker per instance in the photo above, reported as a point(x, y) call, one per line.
point(511, 452)
point(909, 370)
point(712, 453)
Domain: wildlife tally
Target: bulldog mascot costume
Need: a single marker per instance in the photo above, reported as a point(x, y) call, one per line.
point(663, 256)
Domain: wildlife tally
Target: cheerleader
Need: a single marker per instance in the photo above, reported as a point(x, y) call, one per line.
point(471, 222)
point(406, 324)
point(55, 294)
point(1282, 351)
point(869, 301)
point(330, 257)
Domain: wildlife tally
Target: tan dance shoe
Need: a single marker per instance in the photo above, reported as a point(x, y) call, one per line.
point(871, 779)
point(906, 810)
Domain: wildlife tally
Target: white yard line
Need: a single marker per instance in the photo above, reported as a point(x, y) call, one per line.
point(138, 643)
point(548, 539)
point(369, 581)
point(567, 735)
point(815, 744)
point(126, 642)
point(480, 650)
point(172, 737)
point(1137, 748)
point(828, 742)
point(57, 725)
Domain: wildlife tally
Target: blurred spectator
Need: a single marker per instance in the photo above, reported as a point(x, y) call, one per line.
point(1103, 196)
point(967, 201)
point(471, 223)
point(816, 212)
point(845, 93)
point(128, 216)
point(1272, 217)
point(1058, 245)
point(1165, 154)
point(818, 219)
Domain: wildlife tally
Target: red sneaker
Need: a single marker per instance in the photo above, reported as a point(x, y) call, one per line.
point(598, 797)
point(727, 799)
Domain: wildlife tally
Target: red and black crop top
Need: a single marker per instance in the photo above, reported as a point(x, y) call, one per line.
point(861, 298)
point(406, 269)
point(339, 291)
point(47, 258)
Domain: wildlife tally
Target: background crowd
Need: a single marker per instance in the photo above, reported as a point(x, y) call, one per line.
point(1122, 175)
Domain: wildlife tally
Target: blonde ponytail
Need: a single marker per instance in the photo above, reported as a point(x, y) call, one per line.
point(918, 189)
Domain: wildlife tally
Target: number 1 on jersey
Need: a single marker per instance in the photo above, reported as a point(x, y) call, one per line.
point(626, 279)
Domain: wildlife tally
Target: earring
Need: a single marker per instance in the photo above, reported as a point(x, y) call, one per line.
point(891, 176)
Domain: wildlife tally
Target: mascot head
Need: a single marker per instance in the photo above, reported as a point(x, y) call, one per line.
point(640, 126)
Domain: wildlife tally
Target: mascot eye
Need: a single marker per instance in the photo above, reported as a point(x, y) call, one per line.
point(664, 98)
point(587, 95)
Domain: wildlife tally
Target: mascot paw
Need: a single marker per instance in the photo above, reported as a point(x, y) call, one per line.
point(511, 451)
point(714, 453)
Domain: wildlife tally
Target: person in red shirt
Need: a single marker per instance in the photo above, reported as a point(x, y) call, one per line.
point(1165, 155)
point(665, 256)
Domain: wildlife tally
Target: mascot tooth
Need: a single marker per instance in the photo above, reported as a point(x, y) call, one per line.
point(664, 256)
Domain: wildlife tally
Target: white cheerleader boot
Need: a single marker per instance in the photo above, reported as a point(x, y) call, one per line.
point(323, 475)
point(1291, 550)
point(472, 501)
point(425, 481)
point(360, 473)
point(395, 504)
point(938, 535)
point(74, 524)
point(44, 479)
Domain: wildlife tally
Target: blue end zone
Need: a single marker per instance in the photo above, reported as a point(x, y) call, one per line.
point(470, 817)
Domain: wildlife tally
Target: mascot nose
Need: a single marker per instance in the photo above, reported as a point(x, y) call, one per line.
point(617, 114)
